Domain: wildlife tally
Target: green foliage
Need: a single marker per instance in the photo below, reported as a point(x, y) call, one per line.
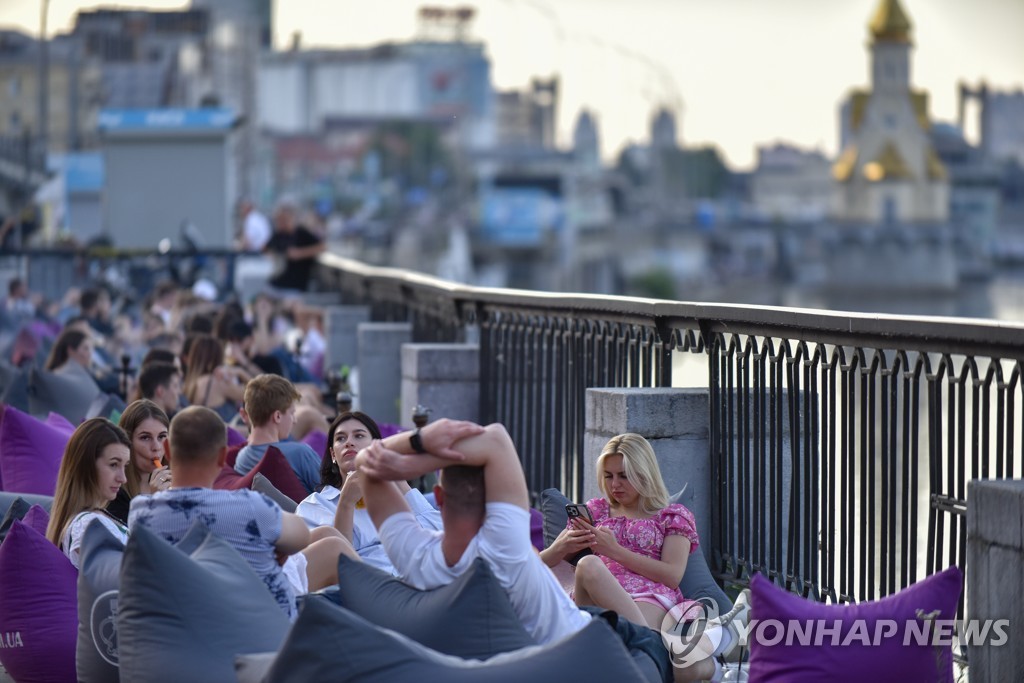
point(656, 283)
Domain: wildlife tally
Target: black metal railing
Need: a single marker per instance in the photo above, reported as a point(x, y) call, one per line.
point(842, 443)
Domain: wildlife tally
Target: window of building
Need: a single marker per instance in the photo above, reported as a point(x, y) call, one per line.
point(14, 85)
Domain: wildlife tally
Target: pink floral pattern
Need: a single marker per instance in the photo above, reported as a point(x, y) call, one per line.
point(645, 537)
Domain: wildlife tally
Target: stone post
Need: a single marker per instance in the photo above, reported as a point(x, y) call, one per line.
point(380, 369)
point(340, 325)
point(442, 377)
point(995, 576)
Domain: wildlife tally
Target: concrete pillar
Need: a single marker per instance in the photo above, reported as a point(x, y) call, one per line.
point(995, 567)
point(340, 325)
point(675, 421)
point(380, 368)
point(442, 377)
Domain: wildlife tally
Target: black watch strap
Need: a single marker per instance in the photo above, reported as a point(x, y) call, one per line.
point(416, 442)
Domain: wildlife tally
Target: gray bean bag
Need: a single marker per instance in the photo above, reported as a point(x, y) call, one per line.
point(470, 617)
point(329, 643)
point(99, 576)
point(184, 617)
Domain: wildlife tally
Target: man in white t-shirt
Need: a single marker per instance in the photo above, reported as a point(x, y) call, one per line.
point(256, 228)
point(484, 506)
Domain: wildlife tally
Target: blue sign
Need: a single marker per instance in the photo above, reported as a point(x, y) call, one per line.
point(519, 216)
point(166, 119)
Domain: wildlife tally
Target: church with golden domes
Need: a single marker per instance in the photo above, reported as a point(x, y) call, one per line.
point(888, 172)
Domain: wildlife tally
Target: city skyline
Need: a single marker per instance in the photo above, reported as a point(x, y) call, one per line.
point(738, 73)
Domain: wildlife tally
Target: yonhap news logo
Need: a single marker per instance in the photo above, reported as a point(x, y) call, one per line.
point(693, 632)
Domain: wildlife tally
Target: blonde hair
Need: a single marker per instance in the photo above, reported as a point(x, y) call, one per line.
point(134, 415)
point(641, 468)
point(77, 481)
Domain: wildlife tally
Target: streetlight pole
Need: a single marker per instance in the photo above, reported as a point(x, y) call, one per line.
point(44, 79)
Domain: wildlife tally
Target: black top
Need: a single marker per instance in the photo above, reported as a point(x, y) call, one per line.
point(297, 273)
point(118, 508)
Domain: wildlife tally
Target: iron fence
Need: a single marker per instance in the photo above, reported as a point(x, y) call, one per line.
point(842, 443)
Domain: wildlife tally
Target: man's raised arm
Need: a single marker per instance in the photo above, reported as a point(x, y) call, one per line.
point(488, 447)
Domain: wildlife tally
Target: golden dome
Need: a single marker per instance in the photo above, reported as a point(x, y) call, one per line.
point(889, 165)
point(890, 22)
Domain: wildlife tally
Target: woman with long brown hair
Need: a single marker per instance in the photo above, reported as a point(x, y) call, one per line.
point(211, 383)
point(146, 426)
point(91, 474)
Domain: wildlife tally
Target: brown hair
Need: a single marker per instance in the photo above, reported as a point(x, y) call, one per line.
point(265, 394)
point(76, 481)
point(204, 356)
point(68, 339)
point(135, 414)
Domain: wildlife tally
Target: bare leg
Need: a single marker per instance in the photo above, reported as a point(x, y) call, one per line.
point(596, 586)
point(322, 560)
point(703, 670)
point(653, 614)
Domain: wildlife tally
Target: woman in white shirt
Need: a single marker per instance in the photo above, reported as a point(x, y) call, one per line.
point(91, 474)
point(339, 502)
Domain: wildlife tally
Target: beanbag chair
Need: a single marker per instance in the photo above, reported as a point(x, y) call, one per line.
point(262, 484)
point(184, 617)
point(316, 440)
point(232, 455)
point(235, 437)
point(850, 653)
point(60, 423)
point(32, 515)
point(38, 610)
point(470, 617)
point(329, 643)
point(15, 386)
point(17, 509)
point(71, 396)
point(98, 580)
point(274, 466)
point(7, 499)
point(30, 453)
point(697, 583)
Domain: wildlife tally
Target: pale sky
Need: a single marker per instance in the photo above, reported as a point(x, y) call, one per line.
point(742, 73)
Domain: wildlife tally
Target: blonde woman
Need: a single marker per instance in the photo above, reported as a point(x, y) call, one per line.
point(91, 474)
point(640, 543)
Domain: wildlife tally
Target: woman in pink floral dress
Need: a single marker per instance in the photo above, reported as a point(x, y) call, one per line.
point(640, 543)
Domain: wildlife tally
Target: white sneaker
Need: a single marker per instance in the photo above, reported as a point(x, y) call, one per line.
point(739, 614)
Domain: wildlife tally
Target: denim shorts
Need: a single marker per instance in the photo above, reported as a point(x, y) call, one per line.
point(639, 640)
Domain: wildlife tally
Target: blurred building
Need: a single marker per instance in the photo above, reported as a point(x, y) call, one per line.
point(527, 117)
point(1002, 121)
point(74, 87)
point(791, 185)
point(888, 171)
point(299, 90)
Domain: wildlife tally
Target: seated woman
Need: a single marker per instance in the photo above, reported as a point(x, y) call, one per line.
point(339, 501)
point(92, 472)
point(71, 356)
point(640, 542)
point(146, 426)
point(211, 383)
point(640, 546)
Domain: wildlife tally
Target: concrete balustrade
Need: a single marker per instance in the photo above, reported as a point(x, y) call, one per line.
point(442, 377)
point(380, 369)
point(341, 324)
point(995, 574)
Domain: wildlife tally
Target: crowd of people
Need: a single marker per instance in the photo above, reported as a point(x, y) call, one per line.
point(205, 366)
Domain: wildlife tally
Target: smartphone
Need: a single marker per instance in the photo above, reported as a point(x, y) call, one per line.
point(575, 510)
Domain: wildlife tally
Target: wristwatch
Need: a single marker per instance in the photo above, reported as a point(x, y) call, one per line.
point(415, 442)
